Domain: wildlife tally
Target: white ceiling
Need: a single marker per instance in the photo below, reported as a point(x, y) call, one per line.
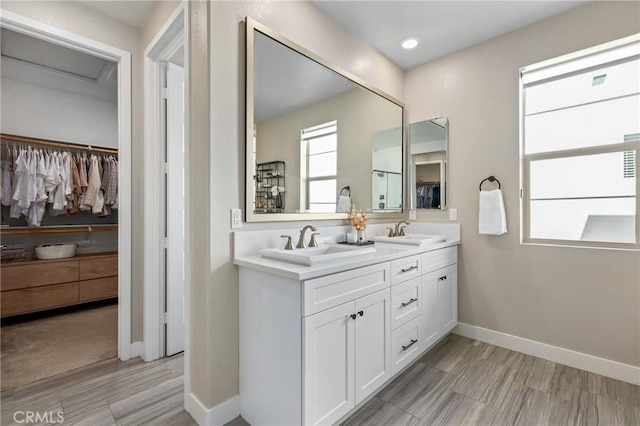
point(443, 27)
point(132, 12)
point(39, 62)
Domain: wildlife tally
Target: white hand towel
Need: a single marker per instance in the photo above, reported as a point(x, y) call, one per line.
point(344, 204)
point(492, 218)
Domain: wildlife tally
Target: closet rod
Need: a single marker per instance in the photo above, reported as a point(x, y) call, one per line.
point(45, 142)
point(60, 229)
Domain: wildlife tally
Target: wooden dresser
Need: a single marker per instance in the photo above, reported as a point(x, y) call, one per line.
point(37, 285)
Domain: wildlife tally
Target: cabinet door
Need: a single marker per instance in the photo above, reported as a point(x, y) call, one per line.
point(430, 309)
point(373, 333)
point(328, 364)
point(448, 297)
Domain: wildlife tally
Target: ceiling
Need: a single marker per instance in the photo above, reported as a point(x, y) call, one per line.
point(132, 12)
point(40, 62)
point(443, 27)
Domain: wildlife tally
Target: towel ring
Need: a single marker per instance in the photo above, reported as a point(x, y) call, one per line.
point(346, 188)
point(490, 179)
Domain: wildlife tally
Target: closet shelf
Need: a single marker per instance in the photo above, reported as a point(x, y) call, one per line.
point(60, 229)
point(55, 144)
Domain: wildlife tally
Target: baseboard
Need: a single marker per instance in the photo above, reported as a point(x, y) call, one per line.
point(215, 416)
point(137, 349)
point(604, 367)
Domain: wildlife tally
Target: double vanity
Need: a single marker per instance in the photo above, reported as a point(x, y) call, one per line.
point(316, 341)
point(324, 327)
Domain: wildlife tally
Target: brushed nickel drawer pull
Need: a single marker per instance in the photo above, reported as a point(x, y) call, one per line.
point(413, 342)
point(403, 304)
point(409, 269)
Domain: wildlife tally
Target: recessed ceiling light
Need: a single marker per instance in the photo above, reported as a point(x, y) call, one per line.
point(409, 42)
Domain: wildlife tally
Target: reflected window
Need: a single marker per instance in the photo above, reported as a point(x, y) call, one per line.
point(581, 137)
point(318, 167)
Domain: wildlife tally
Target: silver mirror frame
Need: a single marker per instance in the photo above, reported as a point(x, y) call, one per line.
point(250, 216)
point(411, 175)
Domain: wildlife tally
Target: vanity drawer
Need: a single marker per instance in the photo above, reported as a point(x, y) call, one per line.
point(100, 288)
point(38, 298)
point(405, 345)
point(99, 267)
point(38, 273)
point(437, 259)
point(405, 269)
point(405, 302)
point(332, 290)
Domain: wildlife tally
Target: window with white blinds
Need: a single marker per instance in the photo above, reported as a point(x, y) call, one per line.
point(580, 138)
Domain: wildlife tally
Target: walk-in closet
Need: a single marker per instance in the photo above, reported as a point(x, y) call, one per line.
point(59, 195)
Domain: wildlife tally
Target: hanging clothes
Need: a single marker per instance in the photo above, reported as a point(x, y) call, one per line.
point(31, 178)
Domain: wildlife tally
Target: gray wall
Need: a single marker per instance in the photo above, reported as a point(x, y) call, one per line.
point(582, 299)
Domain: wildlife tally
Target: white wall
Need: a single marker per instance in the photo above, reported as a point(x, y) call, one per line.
point(581, 299)
point(41, 112)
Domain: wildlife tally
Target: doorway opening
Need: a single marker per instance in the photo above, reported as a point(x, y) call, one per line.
point(166, 146)
point(66, 101)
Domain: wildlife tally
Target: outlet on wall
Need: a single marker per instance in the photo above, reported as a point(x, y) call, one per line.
point(453, 215)
point(236, 218)
point(412, 214)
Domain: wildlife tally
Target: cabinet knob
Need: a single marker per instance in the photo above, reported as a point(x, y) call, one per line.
point(361, 313)
point(353, 316)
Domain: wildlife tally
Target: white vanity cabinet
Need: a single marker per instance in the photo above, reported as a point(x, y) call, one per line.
point(312, 350)
point(439, 294)
point(346, 356)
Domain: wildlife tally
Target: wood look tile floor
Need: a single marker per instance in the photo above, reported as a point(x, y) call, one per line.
point(107, 393)
point(458, 382)
point(466, 382)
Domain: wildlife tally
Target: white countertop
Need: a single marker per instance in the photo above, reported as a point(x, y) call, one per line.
point(384, 252)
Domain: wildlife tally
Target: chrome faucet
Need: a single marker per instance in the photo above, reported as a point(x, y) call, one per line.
point(399, 232)
point(301, 243)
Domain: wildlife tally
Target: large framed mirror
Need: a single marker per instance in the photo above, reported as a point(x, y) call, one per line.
point(428, 146)
point(318, 138)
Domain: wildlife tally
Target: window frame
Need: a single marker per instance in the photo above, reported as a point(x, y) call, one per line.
point(305, 193)
point(582, 61)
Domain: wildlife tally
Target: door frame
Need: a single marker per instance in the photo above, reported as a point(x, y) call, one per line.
point(166, 42)
point(39, 30)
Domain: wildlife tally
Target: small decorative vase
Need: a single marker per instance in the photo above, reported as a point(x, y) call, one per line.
point(362, 236)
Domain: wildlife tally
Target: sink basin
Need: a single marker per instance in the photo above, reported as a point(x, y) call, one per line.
point(314, 255)
point(418, 240)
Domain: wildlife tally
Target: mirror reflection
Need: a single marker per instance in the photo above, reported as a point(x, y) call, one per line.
point(429, 142)
point(320, 141)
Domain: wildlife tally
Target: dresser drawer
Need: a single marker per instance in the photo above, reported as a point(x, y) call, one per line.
point(405, 345)
point(332, 290)
point(101, 288)
point(38, 274)
point(405, 269)
point(98, 268)
point(406, 302)
point(437, 259)
point(38, 298)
